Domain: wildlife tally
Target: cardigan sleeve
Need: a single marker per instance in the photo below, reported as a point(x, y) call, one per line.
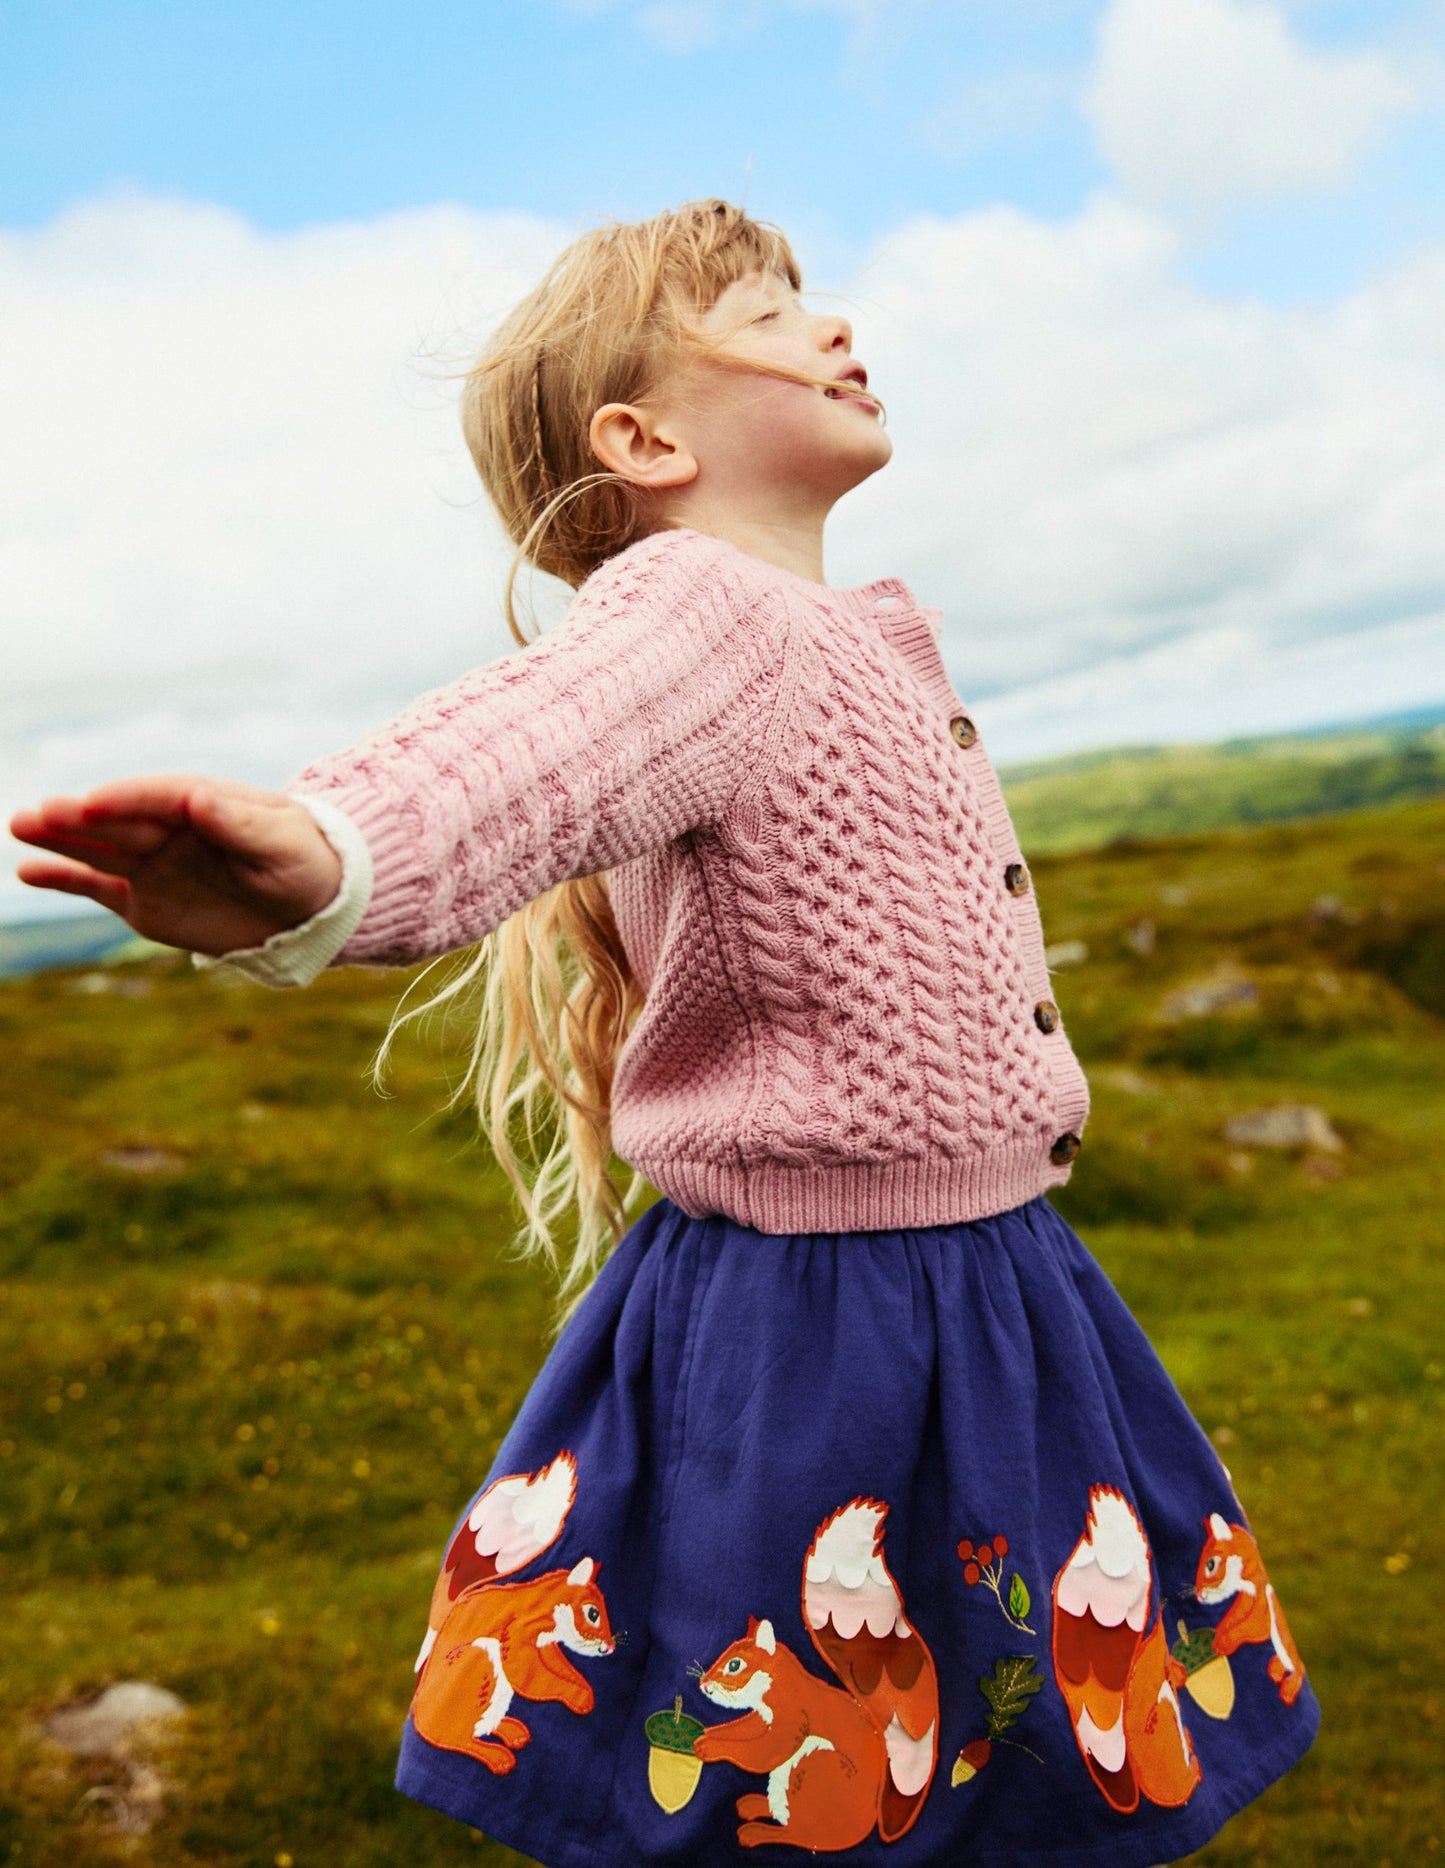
point(632, 721)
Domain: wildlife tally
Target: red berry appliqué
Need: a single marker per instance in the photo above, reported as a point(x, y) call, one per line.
point(984, 1563)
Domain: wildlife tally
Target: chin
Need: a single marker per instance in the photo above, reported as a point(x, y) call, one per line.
point(877, 453)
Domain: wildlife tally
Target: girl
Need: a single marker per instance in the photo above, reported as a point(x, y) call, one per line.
point(896, 1505)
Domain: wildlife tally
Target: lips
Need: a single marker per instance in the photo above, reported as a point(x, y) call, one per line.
point(855, 377)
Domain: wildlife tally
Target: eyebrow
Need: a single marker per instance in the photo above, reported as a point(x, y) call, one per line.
point(778, 287)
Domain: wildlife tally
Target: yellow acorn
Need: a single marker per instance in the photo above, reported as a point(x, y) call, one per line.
point(673, 1766)
point(970, 1761)
point(1209, 1678)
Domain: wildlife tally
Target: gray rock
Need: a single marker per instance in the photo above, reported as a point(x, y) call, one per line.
point(101, 1725)
point(132, 1807)
point(142, 1160)
point(1327, 908)
point(1287, 1125)
point(120, 985)
point(1205, 998)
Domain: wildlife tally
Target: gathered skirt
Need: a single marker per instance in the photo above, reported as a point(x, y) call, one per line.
point(897, 1546)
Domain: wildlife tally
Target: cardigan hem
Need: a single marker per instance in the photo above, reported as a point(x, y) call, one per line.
point(862, 1196)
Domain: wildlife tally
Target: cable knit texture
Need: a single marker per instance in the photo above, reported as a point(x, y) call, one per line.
point(808, 868)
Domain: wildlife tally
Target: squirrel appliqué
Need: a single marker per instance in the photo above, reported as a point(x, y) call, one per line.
point(490, 1643)
point(840, 1761)
point(1230, 1566)
point(1118, 1678)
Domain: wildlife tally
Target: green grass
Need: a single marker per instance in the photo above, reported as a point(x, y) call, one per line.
point(1085, 800)
point(241, 1399)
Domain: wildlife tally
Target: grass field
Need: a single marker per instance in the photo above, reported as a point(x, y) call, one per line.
point(1084, 800)
point(258, 1340)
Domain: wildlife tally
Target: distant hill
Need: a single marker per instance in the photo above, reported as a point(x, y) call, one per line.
point(1087, 800)
point(1078, 802)
point(63, 940)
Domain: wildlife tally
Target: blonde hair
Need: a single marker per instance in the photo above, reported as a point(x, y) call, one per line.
point(618, 311)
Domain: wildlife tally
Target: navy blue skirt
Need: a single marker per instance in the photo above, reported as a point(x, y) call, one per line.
point(900, 1546)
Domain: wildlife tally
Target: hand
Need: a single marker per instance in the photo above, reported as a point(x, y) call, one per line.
point(201, 863)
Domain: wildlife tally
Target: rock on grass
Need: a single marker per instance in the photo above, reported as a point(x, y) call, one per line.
point(1287, 1125)
point(99, 1726)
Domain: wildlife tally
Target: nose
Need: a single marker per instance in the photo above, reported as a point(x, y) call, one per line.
point(834, 334)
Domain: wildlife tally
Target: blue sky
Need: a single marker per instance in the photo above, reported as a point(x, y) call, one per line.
point(1153, 290)
point(840, 120)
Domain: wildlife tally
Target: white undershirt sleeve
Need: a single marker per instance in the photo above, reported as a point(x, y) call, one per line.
point(295, 956)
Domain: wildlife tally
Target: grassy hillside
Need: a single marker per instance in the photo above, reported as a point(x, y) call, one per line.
point(1074, 803)
point(1081, 802)
point(258, 1340)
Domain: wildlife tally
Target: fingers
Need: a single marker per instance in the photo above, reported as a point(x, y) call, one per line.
point(106, 857)
point(75, 879)
point(103, 812)
point(59, 825)
point(165, 797)
point(116, 812)
point(136, 815)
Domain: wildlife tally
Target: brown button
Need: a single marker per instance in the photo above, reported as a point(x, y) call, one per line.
point(1046, 1016)
point(1016, 879)
point(1064, 1149)
point(963, 729)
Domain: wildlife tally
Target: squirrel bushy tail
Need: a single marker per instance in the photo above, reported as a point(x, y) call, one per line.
point(854, 1612)
point(840, 1762)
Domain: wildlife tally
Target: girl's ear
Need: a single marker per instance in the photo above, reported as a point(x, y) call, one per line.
point(641, 447)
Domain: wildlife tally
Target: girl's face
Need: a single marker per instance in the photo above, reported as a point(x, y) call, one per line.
point(759, 438)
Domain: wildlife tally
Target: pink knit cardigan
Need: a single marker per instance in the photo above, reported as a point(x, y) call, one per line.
point(848, 1021)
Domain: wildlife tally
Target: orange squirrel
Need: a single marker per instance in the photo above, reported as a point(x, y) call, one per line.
point(840, 1762)
point(1230, 1565)
point(1121, 1684)
point(489, 1642)
point(504, 1641)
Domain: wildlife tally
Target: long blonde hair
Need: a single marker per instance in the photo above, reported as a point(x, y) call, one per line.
point(619, 309)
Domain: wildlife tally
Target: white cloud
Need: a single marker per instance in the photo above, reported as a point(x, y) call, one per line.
point(237, 526)
point(1101, 470)
point(680, 26)
point(232, 485)
point(1209, 102)
point(1228, 682)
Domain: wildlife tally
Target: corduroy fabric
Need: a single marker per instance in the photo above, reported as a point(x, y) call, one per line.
point(720, 1392)
point(807, 861)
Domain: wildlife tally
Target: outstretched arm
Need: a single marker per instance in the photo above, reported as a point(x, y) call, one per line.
point(203, 863)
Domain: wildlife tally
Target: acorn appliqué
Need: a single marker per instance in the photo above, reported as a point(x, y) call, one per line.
point(1209, 1677)
point(983, 1563)
point(1009, 1691)
point(673, 1767)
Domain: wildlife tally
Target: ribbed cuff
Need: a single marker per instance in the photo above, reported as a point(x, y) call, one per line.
point(392, 931)
point(296, 956)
